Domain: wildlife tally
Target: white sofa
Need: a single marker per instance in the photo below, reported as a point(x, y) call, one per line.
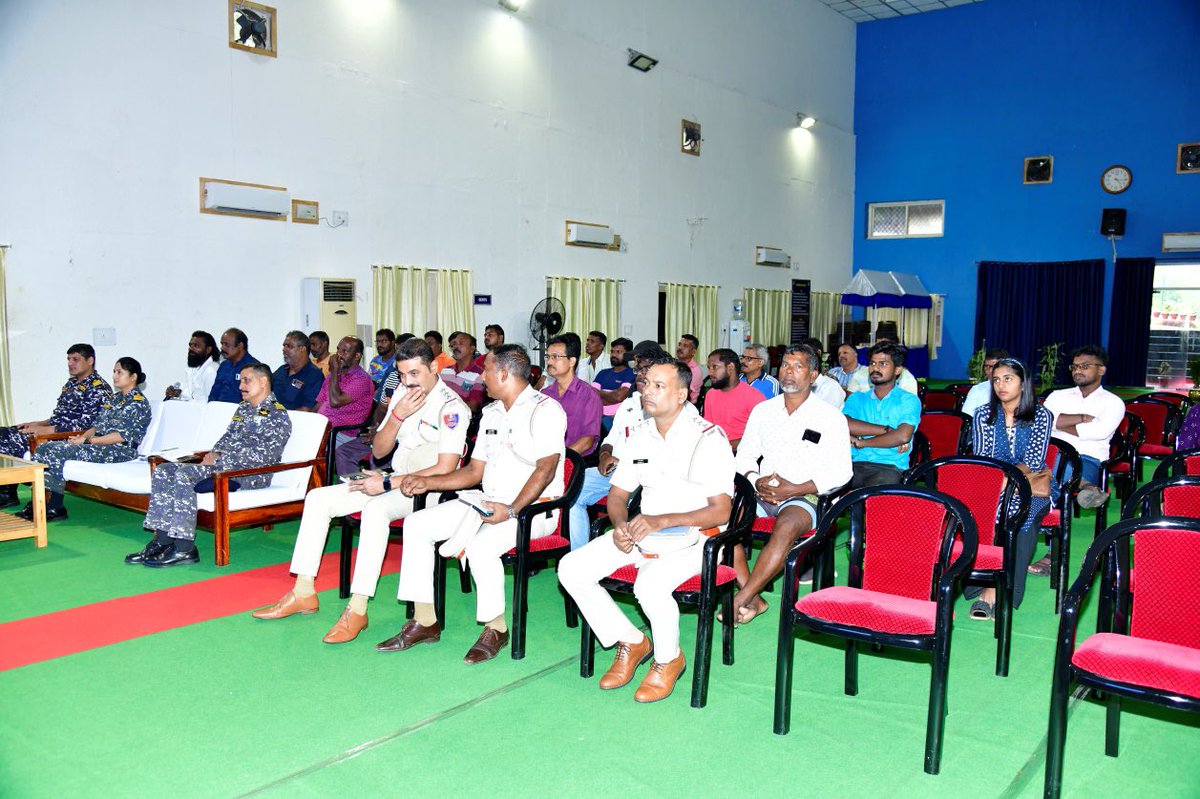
point(183, 427)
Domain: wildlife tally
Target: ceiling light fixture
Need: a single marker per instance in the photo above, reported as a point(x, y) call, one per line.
point(640, 61)
point(511, 5)
point(804, 121)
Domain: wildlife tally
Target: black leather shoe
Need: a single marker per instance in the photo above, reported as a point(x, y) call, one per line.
point(152, 550)
point(170, 556)
point(52, 514)
point(8, 496)
point(26, 512)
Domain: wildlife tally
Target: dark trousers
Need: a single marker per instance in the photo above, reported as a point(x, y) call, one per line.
point(874, 474)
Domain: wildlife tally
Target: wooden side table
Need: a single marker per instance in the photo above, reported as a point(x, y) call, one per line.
point(14, 471)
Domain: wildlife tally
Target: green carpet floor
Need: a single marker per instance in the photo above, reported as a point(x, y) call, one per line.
point(236, 707)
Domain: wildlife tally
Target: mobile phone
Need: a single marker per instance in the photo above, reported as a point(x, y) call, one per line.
point(482, 511)
point(355, 477)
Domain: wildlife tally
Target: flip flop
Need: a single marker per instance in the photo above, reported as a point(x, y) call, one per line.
point(1040, 567)
point(982, 610)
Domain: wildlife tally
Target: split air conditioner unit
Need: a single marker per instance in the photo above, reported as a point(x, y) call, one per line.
point(585, 234)
point(771, 256)
point(328, 304)
point(233, 198)
point(1181, 242)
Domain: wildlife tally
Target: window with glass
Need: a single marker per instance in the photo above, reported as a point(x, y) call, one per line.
point(1174, 324)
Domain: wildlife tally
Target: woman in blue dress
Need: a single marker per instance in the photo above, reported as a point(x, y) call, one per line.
point(1014, 428)
point(113, 438)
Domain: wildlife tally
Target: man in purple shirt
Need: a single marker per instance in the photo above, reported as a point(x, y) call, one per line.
point(345, 399)
point(580, 401)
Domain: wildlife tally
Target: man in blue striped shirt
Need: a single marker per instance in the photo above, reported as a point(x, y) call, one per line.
point(756, 360)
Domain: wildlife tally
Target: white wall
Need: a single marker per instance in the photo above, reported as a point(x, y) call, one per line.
point(454, 134)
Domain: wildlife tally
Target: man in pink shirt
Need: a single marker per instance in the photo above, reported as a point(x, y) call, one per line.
point(729, 402)
point(685, 351)
point(345, 398)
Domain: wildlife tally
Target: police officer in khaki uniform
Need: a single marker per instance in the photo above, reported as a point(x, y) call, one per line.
point(518, 458)
point(685, 468)
point(255, 437)
point(426, 424)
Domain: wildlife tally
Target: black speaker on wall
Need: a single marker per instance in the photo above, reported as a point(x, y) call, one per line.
point(1112, 222)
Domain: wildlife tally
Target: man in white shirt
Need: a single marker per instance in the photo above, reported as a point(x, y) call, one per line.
point(848, 366)
point(202, 357)
point(596, 358)
point(1086, 417)
point(981, 393)
point(684, 466)
point(518, 460)
point(596, 482)
point(804, 446)
point(904, 380)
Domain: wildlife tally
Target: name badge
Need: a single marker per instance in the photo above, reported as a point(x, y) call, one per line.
point(490, 432)
point(640, 460)
point(297, 383)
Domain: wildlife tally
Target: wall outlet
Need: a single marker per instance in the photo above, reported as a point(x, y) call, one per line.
point(339, 218)
point(104, 336)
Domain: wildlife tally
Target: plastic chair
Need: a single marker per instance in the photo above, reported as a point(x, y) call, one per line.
point(1162, 421)
point(948, 432)
point(939, 400)
point(1185, 462)
point(1055, 525)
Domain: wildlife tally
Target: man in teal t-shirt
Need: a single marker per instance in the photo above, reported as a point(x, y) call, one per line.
point(882, 421)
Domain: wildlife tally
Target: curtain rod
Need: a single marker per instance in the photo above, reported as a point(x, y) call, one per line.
point(576, 277)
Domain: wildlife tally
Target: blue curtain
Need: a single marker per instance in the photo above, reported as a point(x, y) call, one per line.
point(1129, 321)
point(1024, 306)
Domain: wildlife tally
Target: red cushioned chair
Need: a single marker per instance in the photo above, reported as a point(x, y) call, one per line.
point(920, 451)
point(762, 527)
point(948, 432)
point(1152, 653)
point(1055, 525)
point(961, 389)
point(1117, 472)
point(536, 553)
point(1180, 401)
point(902, 584)
point(1185, 462)
point(1162, 421)
point(986, 486)
point(937, 400)
point(715, 582)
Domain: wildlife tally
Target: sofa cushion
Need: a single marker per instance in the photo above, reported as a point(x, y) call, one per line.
point(132, 477)
point(252, 498)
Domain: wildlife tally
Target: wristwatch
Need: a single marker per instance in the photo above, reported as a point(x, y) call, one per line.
point(387, 483)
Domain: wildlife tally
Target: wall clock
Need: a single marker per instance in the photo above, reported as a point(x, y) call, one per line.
point(1116, 179)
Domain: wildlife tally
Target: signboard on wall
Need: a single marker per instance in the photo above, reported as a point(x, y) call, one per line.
point(801, 297)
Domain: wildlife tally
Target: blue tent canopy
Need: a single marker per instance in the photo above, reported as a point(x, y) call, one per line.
point(873, 289)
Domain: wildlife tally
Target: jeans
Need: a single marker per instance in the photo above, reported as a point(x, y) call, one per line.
point(1090, 473)
point(595, 487)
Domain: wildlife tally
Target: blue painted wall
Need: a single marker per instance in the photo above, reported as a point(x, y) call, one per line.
point(949, 103)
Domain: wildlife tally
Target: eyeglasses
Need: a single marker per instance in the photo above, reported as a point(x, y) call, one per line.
point(1079, 367)
point(557, 357)
point(751, 358)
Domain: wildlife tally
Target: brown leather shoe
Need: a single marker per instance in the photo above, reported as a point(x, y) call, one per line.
point(290, 605)
point(625, 664)
point(411, 635)
point(659, 682)
point(346, 628)
point(490, 642)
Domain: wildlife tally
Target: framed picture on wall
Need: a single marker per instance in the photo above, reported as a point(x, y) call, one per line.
point(689, 137)
point(1039, 169)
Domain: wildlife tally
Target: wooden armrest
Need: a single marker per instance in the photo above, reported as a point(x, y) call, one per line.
point(35, 440)
point(278, 467)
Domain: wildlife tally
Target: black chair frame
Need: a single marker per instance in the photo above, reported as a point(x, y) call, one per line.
point(947, 575)
point(1059, 538)
point(1174, 466)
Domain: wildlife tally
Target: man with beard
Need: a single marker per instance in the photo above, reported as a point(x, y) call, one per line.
point(684, 466)
point(235, 349)
point(578, 399)
point(882, 421)
point(685, 351)
point(427, 425)
point(318, 346)
point(464, 375)
point(297, 382)
point(796, 447)
point(345, 399)
point(518, 460)
point(596, 482)
point(1086, 416)
point(730, 400)
point(79, 403)
point(201, 373)
point(385, 355)
point(493, 337)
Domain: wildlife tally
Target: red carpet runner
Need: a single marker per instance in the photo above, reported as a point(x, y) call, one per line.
point(66, 632)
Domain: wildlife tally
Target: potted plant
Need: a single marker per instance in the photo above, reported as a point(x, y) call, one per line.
point(975, 365)
point(1048, 364)
point(1164, 373)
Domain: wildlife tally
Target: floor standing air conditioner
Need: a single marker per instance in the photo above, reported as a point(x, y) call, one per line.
point(328, 304)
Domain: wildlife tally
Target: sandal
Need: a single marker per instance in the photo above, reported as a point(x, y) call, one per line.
point(982, 610)
point(1040, 567)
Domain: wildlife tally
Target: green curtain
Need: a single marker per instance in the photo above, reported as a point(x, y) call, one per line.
point(692, 309)
point(6, 406)
point(400, 298)
point(455, 301)
point(826, 311)
point(769, 312)
point(588, 304)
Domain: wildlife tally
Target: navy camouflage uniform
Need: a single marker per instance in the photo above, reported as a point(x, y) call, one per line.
point(78, 405)
point(255, 437)
point(127, 414)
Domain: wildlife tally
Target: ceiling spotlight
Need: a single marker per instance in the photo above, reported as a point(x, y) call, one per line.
point(805, 121)
point(511, 5)
point(641, 62)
